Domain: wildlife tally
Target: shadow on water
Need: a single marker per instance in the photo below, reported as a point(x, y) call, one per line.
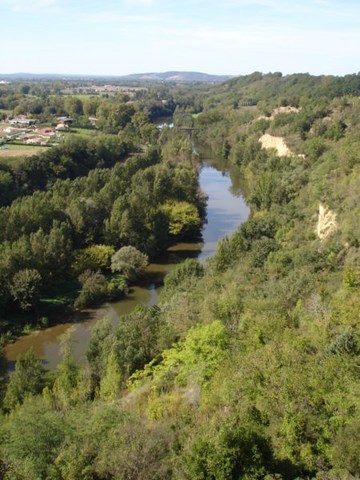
point(226, 209)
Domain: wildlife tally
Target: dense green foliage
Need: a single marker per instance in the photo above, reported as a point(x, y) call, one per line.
point(249, 366)
point(66, 211)
point(79, 223)
point(74, 158)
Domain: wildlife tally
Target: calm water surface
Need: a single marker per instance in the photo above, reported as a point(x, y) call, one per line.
point(226, 209)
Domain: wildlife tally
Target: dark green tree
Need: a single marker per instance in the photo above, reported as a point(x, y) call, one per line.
point(25, 288)
point(27, 379)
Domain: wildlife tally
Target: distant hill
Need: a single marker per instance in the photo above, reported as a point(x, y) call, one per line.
point(178, 77)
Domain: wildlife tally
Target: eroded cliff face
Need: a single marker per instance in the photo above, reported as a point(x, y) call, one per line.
point(326, 224)
point(278, 143)
point(278, 110)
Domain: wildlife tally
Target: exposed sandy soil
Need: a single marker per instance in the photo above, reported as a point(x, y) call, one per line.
point(287, 109)
point(278, 143)
point(278, 110)
point(326, 224)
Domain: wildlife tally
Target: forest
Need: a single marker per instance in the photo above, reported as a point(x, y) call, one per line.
point(249, 365)
point(68, 212)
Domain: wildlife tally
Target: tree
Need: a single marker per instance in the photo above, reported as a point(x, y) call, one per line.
point(345, 450)
point(228, 251)
point(93, 288)
point(67, 375)
point(95, 257)
point(7, 187)
point(73, 106)
point(25, 288)
point(3, 375)
point(33, 436)
point(111, 381)
point(183, 275)
point(314, 148)
point(25, 89)
point(183, 218)
point(130, 262)
point(138, 338)
point(99, 348)
point(28, 379)
point(227, 450)
point(192, 361)
point(52, 252)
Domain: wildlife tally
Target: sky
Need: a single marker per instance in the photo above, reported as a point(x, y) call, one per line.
point(233, 37)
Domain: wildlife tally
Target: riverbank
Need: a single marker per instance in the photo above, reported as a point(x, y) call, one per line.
point(226, 209)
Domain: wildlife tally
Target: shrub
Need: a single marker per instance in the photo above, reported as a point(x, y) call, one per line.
point(93, 288)
point(25, 288)
point(96, 257)
point(130, 262)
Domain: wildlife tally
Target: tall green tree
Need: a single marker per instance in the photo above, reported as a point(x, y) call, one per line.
point(129, 262)
point(27, 379)
point(25, 288)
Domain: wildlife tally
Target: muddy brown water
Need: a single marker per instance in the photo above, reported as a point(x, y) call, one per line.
point(226, 209)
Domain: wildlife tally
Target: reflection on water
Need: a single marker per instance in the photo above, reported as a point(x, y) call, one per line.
point(226, 209)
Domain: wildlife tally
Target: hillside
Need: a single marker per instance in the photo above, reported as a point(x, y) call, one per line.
point(176, 77)
point(249, 366)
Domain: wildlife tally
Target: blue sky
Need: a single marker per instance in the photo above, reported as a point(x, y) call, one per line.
point(117, 37)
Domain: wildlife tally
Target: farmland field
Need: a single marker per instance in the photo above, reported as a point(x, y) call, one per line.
point(15, 152)
point(84, 131)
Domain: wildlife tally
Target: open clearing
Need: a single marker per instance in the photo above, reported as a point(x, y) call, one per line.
point(20, 152)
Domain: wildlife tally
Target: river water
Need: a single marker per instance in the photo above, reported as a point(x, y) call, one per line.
point(226, 209)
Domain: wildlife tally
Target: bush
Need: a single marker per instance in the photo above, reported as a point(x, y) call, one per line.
point(94, 288)
point(96, 257)
point(130, 262)
point(25, 288)
point(183, 273)
point(183, 218)
point(28, 379)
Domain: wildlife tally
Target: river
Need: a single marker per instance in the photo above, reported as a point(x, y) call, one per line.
point(226, 209)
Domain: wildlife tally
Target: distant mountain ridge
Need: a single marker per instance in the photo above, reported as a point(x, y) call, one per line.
point(176, 76)
point(172, 76)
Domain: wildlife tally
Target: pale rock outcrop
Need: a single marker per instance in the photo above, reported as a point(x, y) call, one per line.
point(278, 110)
point(278, 143)
point(326, 224)
point(286, 109)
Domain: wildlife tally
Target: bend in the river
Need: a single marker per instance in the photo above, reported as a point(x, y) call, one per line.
point(226, 209)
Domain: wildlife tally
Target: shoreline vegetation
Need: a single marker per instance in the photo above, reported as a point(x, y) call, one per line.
point(248, 368)
point(91, 269)
point(85, 183)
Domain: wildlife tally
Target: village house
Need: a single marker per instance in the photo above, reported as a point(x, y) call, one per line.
point(15, 131)
point(46, 132)
point(65, 120)
point(62, 127)
point(22, 120)
point(34, 141)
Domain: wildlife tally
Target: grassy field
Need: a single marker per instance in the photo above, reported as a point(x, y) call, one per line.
point(16, 153)
point(22, 152)
point(14, 147)
point(84, 131)
point(83, 96)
